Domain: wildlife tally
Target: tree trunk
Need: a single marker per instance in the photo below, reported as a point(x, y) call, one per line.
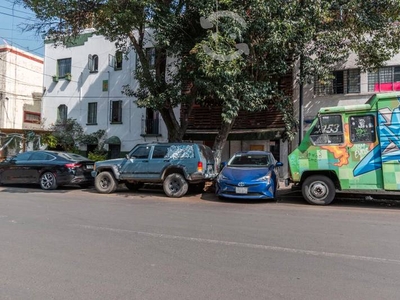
point(220, 141)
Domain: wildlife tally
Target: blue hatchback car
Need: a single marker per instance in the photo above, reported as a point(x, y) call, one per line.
point(249, 175)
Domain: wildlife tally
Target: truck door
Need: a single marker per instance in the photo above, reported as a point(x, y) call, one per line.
point(389, 142)
point(364, 151)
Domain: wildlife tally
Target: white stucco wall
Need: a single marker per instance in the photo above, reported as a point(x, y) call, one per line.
point(22, 77)
point(86, 87)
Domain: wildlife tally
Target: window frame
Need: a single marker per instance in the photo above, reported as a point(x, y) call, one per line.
point(63, 70)
point(93, 61)
point(118, 60)
point(353, 140)
point(379, 76)
point(347, 81)
point(62, 113)
point(324, 136)
point(92, 120)
point(27, 113)
point(119, 113)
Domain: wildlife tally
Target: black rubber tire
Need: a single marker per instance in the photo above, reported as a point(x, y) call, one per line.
point(175, 185)
point(105, 183)
point(319, 190)
point(134, 186)
point(48, 181)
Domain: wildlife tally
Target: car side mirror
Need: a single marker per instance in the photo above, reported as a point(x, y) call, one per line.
point(222, 165)
point(278, 164)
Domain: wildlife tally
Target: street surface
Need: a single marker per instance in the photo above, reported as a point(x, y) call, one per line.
point(78, 244)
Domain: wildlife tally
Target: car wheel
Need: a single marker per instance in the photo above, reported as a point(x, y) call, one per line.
point(318, 190)
point(175, 185)
point(105, 183)
point(134, 186)
point(48, 181)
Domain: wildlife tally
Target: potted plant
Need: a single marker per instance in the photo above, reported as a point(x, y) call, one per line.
point(68, 76)
point(55, 78)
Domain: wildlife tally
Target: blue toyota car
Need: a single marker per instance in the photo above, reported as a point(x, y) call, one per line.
point(249, 175)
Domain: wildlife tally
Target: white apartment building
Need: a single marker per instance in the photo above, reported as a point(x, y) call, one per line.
point(21, 89)
point(84, 80)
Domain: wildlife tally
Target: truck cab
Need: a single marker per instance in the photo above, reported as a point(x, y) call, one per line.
point(353, 148)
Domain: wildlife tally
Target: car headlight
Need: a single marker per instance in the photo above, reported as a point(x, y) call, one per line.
point(266, 178)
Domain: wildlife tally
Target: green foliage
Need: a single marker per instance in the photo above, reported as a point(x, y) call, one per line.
point(97, 156)
point(323, 34)
point(67, 134)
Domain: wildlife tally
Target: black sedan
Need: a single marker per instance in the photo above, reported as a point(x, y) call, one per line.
point(50, 169)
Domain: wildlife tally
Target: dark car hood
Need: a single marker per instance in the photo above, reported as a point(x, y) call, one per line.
point(244, 173)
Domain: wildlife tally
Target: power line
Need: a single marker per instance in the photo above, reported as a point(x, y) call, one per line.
point(19, 11)
point(14, 16)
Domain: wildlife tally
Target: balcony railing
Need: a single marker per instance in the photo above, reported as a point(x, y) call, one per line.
point(150, 126)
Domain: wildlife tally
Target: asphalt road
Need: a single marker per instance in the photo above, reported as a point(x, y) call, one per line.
point(77, 244)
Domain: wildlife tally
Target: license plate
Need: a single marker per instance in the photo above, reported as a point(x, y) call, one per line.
point(241, 190)
point(89, 167)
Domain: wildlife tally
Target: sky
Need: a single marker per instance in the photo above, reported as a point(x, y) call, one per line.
point(12, 19)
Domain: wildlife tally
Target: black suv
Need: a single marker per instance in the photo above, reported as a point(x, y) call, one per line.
point(175, 165)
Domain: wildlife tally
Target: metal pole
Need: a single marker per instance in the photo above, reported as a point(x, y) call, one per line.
point(301, 96)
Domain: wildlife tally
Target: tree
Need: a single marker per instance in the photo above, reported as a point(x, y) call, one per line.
point(321, 34)
point(68, 135)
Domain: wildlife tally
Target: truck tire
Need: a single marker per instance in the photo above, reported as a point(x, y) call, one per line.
point(105, 183)
point(319, 190)
point(134, 186)
point(175, 185)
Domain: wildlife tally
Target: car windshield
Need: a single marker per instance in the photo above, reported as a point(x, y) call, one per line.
point(247, 160)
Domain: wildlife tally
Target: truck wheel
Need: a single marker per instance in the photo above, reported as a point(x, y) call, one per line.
point(175, 185)
point(318, 189)
point(134, 186)
point(105, 183)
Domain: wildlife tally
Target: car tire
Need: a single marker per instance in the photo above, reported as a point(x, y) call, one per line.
point(48, 181)
point(134, 186)
point(105, 183)
point(319, 190)
point(175, 185)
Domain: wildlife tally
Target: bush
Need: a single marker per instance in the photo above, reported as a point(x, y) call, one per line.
point(97, 156)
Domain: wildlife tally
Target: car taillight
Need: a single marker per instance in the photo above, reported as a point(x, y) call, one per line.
point(199, 166)
point(73, 165)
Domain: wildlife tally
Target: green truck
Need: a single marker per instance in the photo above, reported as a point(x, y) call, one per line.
point(353, 148)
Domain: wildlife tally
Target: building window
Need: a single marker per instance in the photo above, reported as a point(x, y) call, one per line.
point(384, 79)
point(151, 57)
point(340, 82)
point(118, 61)
point(92, 113)
point(62, 113)
point(116, 111)
point(31, 117)
point(93, 63)
point(64, 67)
